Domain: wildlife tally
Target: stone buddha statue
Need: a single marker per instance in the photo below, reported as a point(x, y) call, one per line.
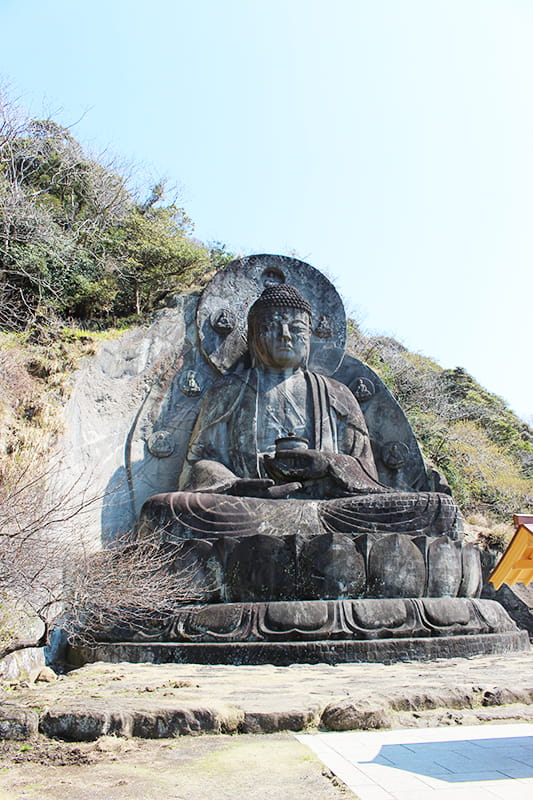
point(302, 510)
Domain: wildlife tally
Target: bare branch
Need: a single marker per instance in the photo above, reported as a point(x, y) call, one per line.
point(47, 569)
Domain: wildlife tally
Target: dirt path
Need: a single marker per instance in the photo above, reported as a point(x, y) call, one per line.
point(274, 767)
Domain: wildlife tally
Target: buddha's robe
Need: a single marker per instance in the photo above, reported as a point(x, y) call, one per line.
point(237, 425)
point(240, 418)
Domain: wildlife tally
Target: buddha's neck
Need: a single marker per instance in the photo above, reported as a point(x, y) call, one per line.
point(271, 376)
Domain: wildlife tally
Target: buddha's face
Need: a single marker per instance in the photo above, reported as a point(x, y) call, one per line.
point(281, 337)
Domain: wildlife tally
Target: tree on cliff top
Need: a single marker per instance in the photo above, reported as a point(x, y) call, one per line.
point(75, 240)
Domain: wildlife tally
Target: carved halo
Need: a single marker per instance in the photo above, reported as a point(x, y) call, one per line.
point(241, 282)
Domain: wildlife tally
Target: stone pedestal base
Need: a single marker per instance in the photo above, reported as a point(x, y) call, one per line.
point(283, 654)
point(318, 631)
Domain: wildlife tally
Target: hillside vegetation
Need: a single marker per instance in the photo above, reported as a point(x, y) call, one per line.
point(469, 434)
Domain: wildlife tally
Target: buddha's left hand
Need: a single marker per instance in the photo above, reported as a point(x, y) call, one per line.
point(263, 488)
point(297, 465)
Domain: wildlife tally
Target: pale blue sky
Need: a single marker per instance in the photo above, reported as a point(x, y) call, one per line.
point(387, 142)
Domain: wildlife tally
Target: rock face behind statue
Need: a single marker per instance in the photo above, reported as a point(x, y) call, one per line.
point(303, 506)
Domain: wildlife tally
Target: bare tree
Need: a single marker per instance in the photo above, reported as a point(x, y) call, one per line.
point(47, 573)
point(91, 596)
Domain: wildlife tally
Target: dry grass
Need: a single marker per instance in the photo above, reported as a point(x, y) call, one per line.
point(489, 533)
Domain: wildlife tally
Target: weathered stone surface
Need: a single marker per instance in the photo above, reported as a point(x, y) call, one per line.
point(356, 714)
point(200, 561)
point(166, 723)
point(17, 723)
point(472, 578)
point(387, 423)
point(321, 620)
point(133, 390)
point(78, 726)
point(261, 567)
point(445, 567)
point(241, 282)
point(427, 699)
point(326, 566)
point(330, 567)
point(87, 725)
point(500, 696)
point(273, 721)
point(285, 653)
point(396, 568)
point(22, 662)
point(274, 696)
point(269, 393)
point(385, 618)
point(43, 674)
point(24, 626)
point(116, 400)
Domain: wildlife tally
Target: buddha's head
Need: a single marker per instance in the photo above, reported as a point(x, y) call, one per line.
point(279, 328)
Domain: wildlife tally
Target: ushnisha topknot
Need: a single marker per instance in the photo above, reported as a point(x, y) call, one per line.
point(281, 296)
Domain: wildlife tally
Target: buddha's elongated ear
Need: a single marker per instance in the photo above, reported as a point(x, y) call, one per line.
point(305, 362)
point(250, 339)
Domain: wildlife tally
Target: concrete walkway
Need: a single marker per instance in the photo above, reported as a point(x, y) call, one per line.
point(462, 763)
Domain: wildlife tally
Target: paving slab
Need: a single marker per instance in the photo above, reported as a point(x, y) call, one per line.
point(470, 762)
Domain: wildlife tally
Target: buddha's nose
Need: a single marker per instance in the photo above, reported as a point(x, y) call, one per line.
point(285, 333)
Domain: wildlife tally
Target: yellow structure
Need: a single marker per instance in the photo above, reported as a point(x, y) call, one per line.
point(516, 564)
